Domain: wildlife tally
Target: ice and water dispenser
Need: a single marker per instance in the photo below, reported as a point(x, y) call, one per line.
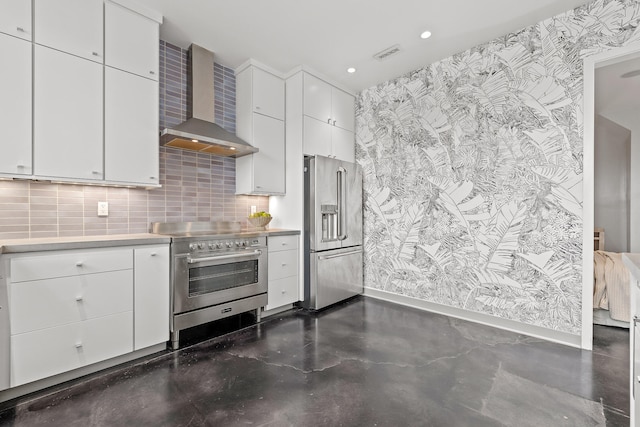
point(329, 222)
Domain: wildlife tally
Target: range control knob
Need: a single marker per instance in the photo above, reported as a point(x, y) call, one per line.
point(245, 243)
point(219, 245)
point(201, 245)
point(193, 246)
point(229, 244)
point(212, 245)
point(238, 244)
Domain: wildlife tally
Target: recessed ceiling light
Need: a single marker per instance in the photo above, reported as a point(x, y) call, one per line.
point(351, 70)
point(232, 148)
point(194, 140)
point(425, 35)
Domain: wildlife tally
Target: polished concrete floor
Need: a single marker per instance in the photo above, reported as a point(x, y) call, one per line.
point(363, 363)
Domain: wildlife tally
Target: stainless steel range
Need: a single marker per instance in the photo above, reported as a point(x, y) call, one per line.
point(216, 272)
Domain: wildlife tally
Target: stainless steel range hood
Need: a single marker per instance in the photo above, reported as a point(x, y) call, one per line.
point(199, 132)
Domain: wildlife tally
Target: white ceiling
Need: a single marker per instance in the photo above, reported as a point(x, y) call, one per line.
point(331, 35)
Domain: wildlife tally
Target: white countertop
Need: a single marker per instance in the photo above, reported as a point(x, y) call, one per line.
point(85, 242)
point(79, 242)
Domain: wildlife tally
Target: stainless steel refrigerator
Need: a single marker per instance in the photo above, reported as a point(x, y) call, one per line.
point(332, 231)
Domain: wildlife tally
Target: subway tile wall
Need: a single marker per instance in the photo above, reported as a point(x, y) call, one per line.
point(195, 187)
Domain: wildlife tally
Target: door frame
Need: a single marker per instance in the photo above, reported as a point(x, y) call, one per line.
point(590, 65)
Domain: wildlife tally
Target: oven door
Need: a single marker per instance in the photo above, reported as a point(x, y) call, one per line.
point(219, 278)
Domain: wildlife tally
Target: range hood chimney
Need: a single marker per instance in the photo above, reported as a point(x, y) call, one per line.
point(199, 133)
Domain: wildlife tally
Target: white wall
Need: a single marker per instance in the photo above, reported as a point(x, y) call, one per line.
point(612, 179)
point(629, 119)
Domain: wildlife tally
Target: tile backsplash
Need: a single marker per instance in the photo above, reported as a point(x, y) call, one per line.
point(195, 187)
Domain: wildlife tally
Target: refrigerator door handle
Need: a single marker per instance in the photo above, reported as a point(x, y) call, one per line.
point(342, 203)
point(340, 254)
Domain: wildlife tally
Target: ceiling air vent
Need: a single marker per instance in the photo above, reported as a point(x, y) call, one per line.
point(387, 52)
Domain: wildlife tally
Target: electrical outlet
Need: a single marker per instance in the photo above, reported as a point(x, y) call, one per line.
point(253, 209)
point(103, 208)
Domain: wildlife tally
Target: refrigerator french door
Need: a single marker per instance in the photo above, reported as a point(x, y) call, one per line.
point(332, 231)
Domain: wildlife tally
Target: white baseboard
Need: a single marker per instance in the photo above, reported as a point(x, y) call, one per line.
point(472, 316)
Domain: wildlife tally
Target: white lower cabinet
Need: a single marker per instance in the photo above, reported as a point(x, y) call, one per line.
point(151, 297)
point(47, 303)
point(73, 308)
point(52, 351)
point(282, 271)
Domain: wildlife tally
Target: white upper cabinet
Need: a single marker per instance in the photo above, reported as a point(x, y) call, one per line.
point(263, 172)
point(343, 109)
point(131, 128)
point(343, 144)
point(68, 135)
point(316, 137)
point(328, 103)
point(328, 119)
point(260, 121)
point(131, 41)
point(15, 18)
point(15, 107)
point(268, 94)
point(259, 91)
point(72, 26)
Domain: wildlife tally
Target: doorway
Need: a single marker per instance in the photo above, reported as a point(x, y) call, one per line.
point(628, 56)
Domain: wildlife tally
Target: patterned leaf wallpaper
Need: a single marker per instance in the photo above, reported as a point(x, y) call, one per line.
point(473, 171)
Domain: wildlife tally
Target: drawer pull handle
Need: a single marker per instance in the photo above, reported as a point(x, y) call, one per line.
point(284, 264)
point(284, 292)
point(79, 298)
point(153, 254)
point(78, 345)
point(284, 244)
point(20, 29)
point(79, 264)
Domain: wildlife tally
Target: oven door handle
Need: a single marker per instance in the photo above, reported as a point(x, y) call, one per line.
point(256, 253)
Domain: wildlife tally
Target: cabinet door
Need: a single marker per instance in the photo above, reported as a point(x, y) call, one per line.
point(67, 116)
point(72, 26)
point(342, 144)
point(15, 106)
point(268, 163)
point(268, 94)
point(131, 41)
point(15, 18)
point(47, 303)
point(343, 109)
point(131, 128)
point(317, 137)
point(317, 98)
point(51, 351)
point(282, 292)
point(151, 296)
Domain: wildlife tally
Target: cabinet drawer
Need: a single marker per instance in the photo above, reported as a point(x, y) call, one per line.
point(283, 264)
point(282, 292)
point(48, 352)
point(47, 303)
point(71, 263)
point(282, 243)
